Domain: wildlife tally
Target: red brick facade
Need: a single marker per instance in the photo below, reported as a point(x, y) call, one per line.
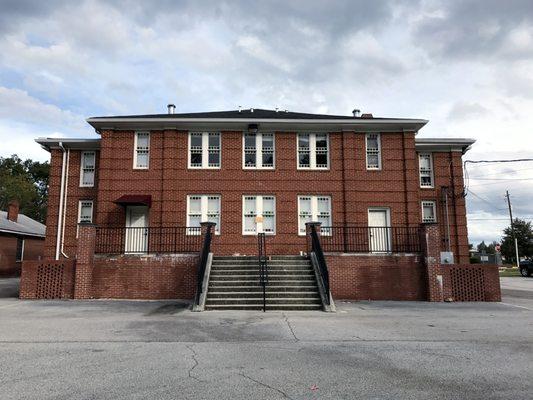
point(9, 266)
point(168, 180)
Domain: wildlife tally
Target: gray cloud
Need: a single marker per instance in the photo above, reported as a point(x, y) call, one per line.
point(469, 29)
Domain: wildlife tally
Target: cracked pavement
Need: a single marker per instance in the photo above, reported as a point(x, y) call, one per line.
point(160, 350)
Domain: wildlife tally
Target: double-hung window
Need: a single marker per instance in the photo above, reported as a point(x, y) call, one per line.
point(87, 168)
point(141, 156)
point(258, 150)
point(202, 208)
point(259, 215)
point(425, 165)
point(373, 151)
point(204, 149)
point(313, 151)
point(429, 212)
point(314, 208)
point(85, 212)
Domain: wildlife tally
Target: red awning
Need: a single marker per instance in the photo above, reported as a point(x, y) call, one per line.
point(134, 200)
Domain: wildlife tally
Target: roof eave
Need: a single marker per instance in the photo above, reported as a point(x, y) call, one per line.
point(383, 125)
point(444, 144)
point(71, 143)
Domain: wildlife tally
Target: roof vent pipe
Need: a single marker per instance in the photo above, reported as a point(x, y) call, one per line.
point(251, 110)
point(240, 108)
point(356, 113)
point(171, 108)
point(277, 109)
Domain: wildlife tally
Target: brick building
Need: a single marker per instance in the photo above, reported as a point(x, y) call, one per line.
point(21, 238)
point(149, 181)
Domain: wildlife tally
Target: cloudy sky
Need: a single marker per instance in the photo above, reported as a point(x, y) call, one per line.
point(464, 65)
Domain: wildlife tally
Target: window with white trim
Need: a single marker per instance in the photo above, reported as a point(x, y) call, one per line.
point(85, 211)
point(425, 166)
point(373, 151)
point(141, 156)
point(258, 212)
point(87, 168)
point(203, 208)
point(204, 149)
point(20, 250)
point(429, 211)
point(258, 150)
point(313, 151)
point(314, 208)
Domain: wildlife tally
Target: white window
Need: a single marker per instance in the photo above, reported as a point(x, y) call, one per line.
point(425, 165)
point(258, 215)
point(203, 208)
point(429, 213)
point(85, 211)
point(314, 208)
point(204, 150)
point(258, 150)
point(373, 151)
point(313, 151)
point(141, 155)
point(87, 168)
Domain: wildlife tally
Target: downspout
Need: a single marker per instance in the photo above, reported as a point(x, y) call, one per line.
point(60, 213)
point(65, 205)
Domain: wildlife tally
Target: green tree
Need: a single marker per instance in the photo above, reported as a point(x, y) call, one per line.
point(482, 247)
point(27, 182)
point(524, 235)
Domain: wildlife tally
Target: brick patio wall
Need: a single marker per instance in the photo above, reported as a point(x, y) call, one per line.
point(150, 277)
point(471, 282)
point(376, 277)
point(47, 279)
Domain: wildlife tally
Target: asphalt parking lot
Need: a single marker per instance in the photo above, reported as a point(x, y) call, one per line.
point(160, 350)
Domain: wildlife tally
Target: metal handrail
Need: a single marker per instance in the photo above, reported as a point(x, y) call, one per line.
point(316, 248)
point(263, 265)
point(204, 256)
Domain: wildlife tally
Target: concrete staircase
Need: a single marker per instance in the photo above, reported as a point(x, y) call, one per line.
point(234, 284)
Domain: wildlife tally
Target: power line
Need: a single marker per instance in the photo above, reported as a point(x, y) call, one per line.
point(485, 200)
point(497, 161)
point(501, 179)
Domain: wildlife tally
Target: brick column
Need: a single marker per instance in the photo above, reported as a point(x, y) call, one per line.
point(431, 251)
point(83, 286)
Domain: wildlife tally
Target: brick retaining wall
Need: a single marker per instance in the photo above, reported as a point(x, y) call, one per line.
point(376, 277)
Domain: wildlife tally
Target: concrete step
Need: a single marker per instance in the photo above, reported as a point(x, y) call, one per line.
point(256, 263)
point(259, 289)
point(271, 301)
point(277, 257)
point(269, 307)
point(271, 277)
point(259, 294)
point(255, 282)
point(256, 272)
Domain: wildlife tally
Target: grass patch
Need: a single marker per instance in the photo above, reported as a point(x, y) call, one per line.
point(507, 272)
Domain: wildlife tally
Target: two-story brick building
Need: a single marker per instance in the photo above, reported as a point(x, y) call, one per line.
point(149, 181)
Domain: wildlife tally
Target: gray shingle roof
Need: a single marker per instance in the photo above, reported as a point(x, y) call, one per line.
point(24, 225)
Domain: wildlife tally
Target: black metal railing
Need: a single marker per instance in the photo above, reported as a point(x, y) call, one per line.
point(146, 240)
point(370, 239)
point(204, 256)
point(316, 248)
point(263, 265)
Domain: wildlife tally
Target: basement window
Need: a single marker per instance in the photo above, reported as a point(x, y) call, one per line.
point(373, 151)
point(313, 151)
point(141, 156)
point(87, 168)
point(258, 150)
point(429, 213)
point(204, 150)
point(425, 165)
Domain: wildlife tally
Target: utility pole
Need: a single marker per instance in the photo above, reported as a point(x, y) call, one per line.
point(512, 228)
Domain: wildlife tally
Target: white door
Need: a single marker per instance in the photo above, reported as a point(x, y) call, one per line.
point(136, 229)
point(379, 230)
